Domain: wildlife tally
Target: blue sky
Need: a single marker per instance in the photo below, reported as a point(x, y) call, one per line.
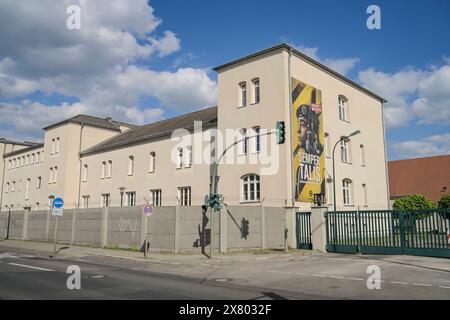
point(407, 61)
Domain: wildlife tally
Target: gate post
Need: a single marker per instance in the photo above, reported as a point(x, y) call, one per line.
point(318, 229)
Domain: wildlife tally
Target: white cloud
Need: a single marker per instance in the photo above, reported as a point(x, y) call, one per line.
point(96, 64)
point(412, 94)
point(429, 146)
point(342, 66)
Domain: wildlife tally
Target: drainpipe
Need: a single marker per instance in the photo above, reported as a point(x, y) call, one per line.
point(385, 155)
point(80, 165)
point(286, 231)
point(3, 176)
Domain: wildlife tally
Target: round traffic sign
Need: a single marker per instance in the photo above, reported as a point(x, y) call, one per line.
point(58, 203)
point(148, 210)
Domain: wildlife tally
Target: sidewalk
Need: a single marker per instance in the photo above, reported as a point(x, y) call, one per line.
point(76, 251)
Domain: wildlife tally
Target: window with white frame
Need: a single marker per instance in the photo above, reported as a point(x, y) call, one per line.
point(243, 94)
point(39, 182)
point(188, 162)
point(364, 190)
point(347, 192)
point(343, 112)
point(85, 201)
point(180, 158)
point(250, 188)
point(7, 187)
point(256, 91)
point(13, 186)
point(42, 156)
point(57, 145)
point(50, 176)
point(36, 158)
point(184, 194)
point(55, 174)
point(109, 169)
point(27, 160)
point(20, 185)
point(326, 143)
point(32, 159)
point(256, 140)
point(85, 172)
point(9, 164)
point(131, 198)
point(243, 144)
point(345, 150)
point(156, 197)
point(362, 155)
point(36, 207)
point(20, 162)
point(105, 200)
point(152, 162)
point(103, 172)
point(53, 146)
point(13, 163)
point(130, 165)
point(27, 189)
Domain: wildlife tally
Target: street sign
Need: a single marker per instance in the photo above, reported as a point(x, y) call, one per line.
point(58, 212)
point(58, 202)
point(148, 210)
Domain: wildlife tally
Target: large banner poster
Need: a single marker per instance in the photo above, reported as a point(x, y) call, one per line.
point(307, 126)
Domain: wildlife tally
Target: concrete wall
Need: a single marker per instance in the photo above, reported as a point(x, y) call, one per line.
point(173, 228)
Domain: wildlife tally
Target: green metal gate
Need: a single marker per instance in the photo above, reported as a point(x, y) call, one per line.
point(303, 226)
point(418, 232)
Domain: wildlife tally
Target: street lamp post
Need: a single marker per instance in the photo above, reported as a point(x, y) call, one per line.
point(334, 176)
point(9, 220)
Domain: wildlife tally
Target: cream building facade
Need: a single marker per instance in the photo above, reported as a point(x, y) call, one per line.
point(94, 162)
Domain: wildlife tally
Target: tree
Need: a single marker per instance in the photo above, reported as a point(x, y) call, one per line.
point(414, 202)
point(444, 203)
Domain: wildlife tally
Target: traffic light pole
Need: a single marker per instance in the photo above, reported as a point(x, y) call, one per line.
point(213, 186)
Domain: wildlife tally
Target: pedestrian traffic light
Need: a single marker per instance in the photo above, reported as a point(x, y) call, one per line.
point(281, 132)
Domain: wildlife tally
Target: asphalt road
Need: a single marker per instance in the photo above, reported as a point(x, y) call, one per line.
point(33, 275)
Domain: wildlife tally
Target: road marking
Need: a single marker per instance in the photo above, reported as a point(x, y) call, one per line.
point(336, 277)
point(31, 267)
point(320, 275)
point(444, 287)
point(357, 279)
point(399, 282)
point(97, 276)
point(421, 284)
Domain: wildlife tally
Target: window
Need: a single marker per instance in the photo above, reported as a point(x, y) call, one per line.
point(36, 158)
point(131, 198)
point(130, 165)
point(256, 140)
point(343, 108)
point(9, 164)
point(250, 188)
point(42, 156)
point(50, 178)
point(57, 145)
point(363, 155)
point(39, 182)
point(27, 189)
point(21, 162)
point(256, 91)
point(103, 170)
point(364, 190)
point(243, 94)
point(243, 143)
point(188, 162)
point(185, 196)
point(329, 191)
point(53, 146)
point(7, 187)
point(345, 150)
point(347, 191)
point(13, 186)
point(55, 174)
point(109, 169)
point(32, 159)
point(85, 201)
point(36, 206)
point(85, 172)
point(152, 162)
point(20, 185)
point(105, 200)
point(326, 143)
point(180, 158)
point(156, 197)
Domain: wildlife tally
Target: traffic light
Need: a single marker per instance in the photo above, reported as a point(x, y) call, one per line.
point(281, 132)
point(216, 201)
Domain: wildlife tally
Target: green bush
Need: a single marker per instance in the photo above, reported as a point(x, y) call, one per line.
point(444, 202)
point(414, 202)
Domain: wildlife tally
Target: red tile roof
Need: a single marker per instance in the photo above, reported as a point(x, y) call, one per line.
point(428, 176)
